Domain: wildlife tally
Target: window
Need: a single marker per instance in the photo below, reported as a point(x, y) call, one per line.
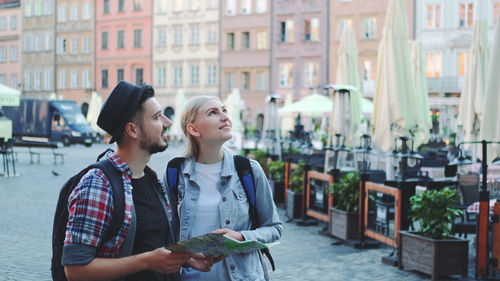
point(230, 7)
point(62, 14)
point(463, 61)
point(368, 71)
point(48, 80)
point(137, 5)
point(195, 35)
point(74, 12)
point(245, 40)
point(74, 45)
point(433, 65)
point(312, 30)
point(105, 7)
point(38, 42)
point(38, 10)
point(3, 23)
point(496, 11)
point(261, 6)
point(195, 75)
point(119, 74)
point(311, 74)
point(341, 24)
point(86, 78)
point(3, 54)
point(212, 4)
point(62, 46)
point(162, 76)
point(245, 80)
point(162, 37)
point(86, 11)
point(178, 76)
point(86, 45)
point(466, 17)
point(229, 82)
point(139, 76)
point(286, 31)
point(137, 38)
point(14, 83)
point(3, 79)
point(195, 5)
point(62, 79)
point(38, 81)
point(28, 12)
point(212, 35)
point(48, 41)
point(13, 23)
point(48, 7)
point(14, 55)
point(104, 78)
point(261, 40)
point(246, 7)
point(212, 75)
point(261, 81)
point(369, 28)
point(121, 5)
point(230, 41)
point(74, 78)
point(286, 75)
point(161, 6)
point(120, 44)
point(178, 5)
point(104, 40)
point(178, 36)
point(433, 16)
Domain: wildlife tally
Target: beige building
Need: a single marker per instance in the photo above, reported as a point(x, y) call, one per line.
point(245, 54)
point(367, 17)
point(10, 43)
point(75, 49)
point(185, 49)
point(38, 64)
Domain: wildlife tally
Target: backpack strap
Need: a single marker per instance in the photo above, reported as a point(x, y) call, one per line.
point(245, 174)
point(173, 172)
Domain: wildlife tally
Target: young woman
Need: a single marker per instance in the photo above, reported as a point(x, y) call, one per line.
point(211, 197)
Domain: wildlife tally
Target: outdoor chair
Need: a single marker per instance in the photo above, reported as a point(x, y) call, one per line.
point(468, 186)
point(7, 151)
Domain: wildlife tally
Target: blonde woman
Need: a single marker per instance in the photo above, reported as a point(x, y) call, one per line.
point(211, 197)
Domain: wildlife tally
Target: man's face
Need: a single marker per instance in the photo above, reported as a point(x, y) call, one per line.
point(153, 127)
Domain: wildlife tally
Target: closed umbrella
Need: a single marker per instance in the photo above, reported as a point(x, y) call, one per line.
point(394, 113)
point(94, 110)
point(233, 105)
point(424, 123)
point(490, 127)
point(287, 122)
point(180, 102)
point(271, 129)
point(347, 74)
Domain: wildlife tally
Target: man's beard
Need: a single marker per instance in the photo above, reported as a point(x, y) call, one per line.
point(153, 148)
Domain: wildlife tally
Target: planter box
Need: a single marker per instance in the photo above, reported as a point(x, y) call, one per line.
point(293, 204)
point(343, 225)
point(434, 257)
point(279, 192)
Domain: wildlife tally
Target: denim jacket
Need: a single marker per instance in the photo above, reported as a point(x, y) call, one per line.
point(234, 214)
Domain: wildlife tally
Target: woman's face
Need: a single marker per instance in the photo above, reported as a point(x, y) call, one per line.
point(212, 123)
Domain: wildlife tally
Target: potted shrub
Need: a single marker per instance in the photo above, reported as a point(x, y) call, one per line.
point(344, 210)
point(260, 156)
point(294, 192)
point(276, 171)
point(430, 249)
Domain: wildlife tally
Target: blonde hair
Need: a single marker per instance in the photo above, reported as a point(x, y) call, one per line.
point(189, 116)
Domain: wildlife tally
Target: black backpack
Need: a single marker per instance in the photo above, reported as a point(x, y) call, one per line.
point(245, 174)
point(61, 213)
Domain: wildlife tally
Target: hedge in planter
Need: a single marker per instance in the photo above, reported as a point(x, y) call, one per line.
point(294, 193)
point(431, 249)
point(276, 171)
point(344, 210)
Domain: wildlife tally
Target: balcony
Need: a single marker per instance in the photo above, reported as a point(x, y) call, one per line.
point(449, 84)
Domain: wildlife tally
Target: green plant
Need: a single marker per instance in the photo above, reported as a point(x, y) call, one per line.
point(276, 170)
point(435, 211)
point(345, 192)
point(260, 156)
point(293, 150)
point(296, 180)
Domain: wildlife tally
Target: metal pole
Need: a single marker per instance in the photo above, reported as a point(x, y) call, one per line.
point(482, 267)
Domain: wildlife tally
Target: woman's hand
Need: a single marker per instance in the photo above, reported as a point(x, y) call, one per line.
point(231, 233)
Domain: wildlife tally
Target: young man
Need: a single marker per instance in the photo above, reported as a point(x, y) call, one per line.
point(133, 117)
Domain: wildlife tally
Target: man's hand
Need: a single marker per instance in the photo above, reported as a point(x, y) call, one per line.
point(201, 262)
point(165, 261)
point(231, 233)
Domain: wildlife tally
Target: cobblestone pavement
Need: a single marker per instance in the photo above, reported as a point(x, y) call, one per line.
point(27, 204)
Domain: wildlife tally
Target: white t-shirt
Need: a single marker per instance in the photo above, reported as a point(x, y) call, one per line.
point(207, 219)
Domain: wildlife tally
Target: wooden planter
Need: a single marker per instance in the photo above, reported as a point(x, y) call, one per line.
point(343, 225)
point(434, 257)
point(293, 204)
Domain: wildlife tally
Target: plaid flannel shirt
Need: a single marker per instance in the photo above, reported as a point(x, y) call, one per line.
point(91, 206)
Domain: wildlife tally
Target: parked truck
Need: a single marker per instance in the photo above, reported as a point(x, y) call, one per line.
point(46, 121)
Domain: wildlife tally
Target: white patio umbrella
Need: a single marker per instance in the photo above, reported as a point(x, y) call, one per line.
point(180, 102)
point(95, 105)
point(347, 74)
point(394, 100)
point(490, 127)
point(473, 92)
point(233, 106)
point(423, 111)
point(313, 105)
point(9, 96)
point(287, 122)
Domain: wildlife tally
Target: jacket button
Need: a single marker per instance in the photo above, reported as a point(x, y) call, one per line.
point(232, 267)
point(228, 222)
point(224, 199)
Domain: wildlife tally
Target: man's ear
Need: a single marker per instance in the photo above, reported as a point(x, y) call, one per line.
point(192, 130)
point(131, 129)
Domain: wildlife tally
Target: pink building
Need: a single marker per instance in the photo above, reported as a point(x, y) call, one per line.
point(123, 43)
point(10, 43)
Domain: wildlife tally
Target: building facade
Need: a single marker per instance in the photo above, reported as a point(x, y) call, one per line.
point(185, 49)
point(38, 61)
point(245, 54)
point(300, 47)
point(123, 43)
point(10, 43)
point(367, 18)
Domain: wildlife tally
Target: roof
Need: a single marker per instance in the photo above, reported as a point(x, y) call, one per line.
point(4, 4)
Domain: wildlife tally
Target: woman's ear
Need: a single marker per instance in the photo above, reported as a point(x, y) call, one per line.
point(131, 130)
point(192, 130)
